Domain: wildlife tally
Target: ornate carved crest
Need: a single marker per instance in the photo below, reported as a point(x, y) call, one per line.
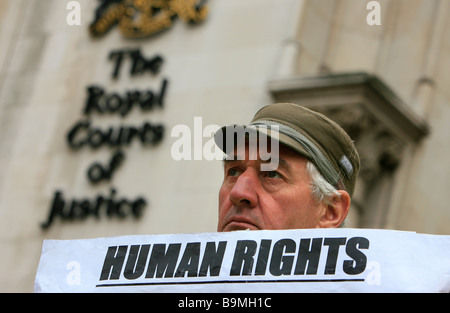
point(143, 18)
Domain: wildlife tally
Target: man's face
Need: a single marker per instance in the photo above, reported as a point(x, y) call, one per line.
point(277, 199)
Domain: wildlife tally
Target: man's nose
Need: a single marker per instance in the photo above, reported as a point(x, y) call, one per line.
point(244, 191)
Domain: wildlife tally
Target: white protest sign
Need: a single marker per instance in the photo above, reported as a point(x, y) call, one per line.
point(312, 260)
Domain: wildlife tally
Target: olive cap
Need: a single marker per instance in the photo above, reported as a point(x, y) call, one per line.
point(309, 133)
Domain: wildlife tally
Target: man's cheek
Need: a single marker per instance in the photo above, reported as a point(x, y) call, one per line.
point(223, 197)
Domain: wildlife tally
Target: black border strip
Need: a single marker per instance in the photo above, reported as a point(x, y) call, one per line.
point(233, 282)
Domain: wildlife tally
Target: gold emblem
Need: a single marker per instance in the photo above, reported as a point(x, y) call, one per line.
point(143, 18)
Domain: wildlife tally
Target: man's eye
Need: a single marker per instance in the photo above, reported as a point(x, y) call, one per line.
point(234, 172)
point(273, 174)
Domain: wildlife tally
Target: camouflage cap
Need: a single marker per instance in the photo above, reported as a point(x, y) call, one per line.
point(312, 135)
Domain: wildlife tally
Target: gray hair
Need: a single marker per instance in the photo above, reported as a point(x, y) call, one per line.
point(322, 191)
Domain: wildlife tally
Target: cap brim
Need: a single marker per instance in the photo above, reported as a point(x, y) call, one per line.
point(228, 136)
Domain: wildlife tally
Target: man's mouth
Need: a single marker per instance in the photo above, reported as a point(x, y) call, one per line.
point(240, 224)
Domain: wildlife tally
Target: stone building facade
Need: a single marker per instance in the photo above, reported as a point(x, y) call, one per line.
point(92, 93)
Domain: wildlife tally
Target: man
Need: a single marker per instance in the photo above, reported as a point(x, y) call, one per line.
point(303, 179)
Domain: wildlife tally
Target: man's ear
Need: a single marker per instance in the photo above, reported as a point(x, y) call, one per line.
point(335, 211)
